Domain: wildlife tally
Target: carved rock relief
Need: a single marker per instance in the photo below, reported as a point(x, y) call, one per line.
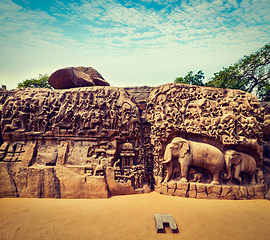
point(95, 132)
point(221, 118)
point(82, 112)
point(98, 141)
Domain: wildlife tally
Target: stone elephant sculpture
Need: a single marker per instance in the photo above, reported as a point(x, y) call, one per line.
point(239, 162)
point(196, 154)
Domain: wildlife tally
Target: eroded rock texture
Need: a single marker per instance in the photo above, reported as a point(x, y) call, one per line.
point(196, 130)
point(79, 143)
point(99, 141)
point(266, 147)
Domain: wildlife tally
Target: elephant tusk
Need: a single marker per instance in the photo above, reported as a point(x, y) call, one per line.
point(166, 161)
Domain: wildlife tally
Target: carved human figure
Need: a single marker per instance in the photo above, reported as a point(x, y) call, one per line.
point(193, 153)
point(237, 162)
point(61, 113)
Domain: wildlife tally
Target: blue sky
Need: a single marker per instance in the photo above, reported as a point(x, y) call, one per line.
point(131, 43)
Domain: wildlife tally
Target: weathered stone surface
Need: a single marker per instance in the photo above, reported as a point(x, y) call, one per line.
point(117, 188)
point(251, 192)
point(192, 194)
point(216, 189)
point(225, 191)
point(180, 192)
point(87, 137)
point(267, 195)
point(200, 188)
point(163, 219)
point(147, 188)
point(243, 192)
point(192, 186)
point(259, 191)
point(213, 196)
point(62, 155)
point(140, 95)
point(201, 191)
point(7, 185)
point(182, 186)
point(210, 126)
point(164, 188)
point(236, 191)
point(230, 196)
point(76, 77)
point(266, 123)
point(101, 141)
point(192, 190)
point(31, 182)
point(201, 195)
point(172, 185)
point(170, 191)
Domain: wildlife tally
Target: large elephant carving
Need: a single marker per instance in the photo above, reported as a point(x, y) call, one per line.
point(195, 154)
point(238, 162)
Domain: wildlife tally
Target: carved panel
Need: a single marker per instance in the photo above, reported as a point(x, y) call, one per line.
point(226, 119)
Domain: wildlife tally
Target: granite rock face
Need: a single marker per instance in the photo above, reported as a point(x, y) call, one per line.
point(266, 124)
point(205, 135)
point(100, 141)
point(78, 143)
point(73, 77)
point(266, 147)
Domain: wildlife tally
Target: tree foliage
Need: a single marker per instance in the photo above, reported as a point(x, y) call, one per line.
point(191, 79)
point(40, 82)
point(251, 74)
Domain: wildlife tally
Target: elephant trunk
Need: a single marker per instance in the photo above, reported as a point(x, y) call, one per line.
point(229, 171)
point(167, 155)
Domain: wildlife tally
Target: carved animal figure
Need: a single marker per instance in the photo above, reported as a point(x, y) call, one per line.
point(238, 162)
point(196, 176)
point(196, 154)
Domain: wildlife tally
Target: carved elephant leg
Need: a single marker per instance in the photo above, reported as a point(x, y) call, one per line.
point(169, 171)
point(237, 171)
point(184, 171)
point(215, 179)
point(253, 181)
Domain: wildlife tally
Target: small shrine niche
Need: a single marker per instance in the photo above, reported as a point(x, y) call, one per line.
point(127, 155)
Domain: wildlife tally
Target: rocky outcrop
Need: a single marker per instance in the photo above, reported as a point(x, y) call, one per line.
point(266, 124)
point(73, 77)
point(101, 141)
point(266, 147)
point(194, 128)
point(79, 143)
point(208, 191)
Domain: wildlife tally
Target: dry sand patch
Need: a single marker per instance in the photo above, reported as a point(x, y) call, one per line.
point(131, 217)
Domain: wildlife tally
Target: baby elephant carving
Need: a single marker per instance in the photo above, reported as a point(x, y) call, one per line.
point(238, 162)
point(195, 176)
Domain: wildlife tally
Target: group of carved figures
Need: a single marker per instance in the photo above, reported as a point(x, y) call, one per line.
point(190, 156)
point(229, 116)
point(88, 112)
point(136, 175)
point(131, 167)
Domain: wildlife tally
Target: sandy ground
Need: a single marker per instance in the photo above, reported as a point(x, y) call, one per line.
point(131, 217)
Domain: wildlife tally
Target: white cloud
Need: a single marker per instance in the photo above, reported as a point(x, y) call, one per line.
point(118, 39)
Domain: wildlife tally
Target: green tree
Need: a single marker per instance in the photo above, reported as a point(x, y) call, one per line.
point(251, 74)
point(40, 82)
point(191, 79)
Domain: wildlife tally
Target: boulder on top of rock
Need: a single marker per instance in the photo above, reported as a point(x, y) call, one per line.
point(72, 77)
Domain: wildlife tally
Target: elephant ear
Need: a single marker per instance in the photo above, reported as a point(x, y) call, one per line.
point(237, 158)
point(184, 147)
